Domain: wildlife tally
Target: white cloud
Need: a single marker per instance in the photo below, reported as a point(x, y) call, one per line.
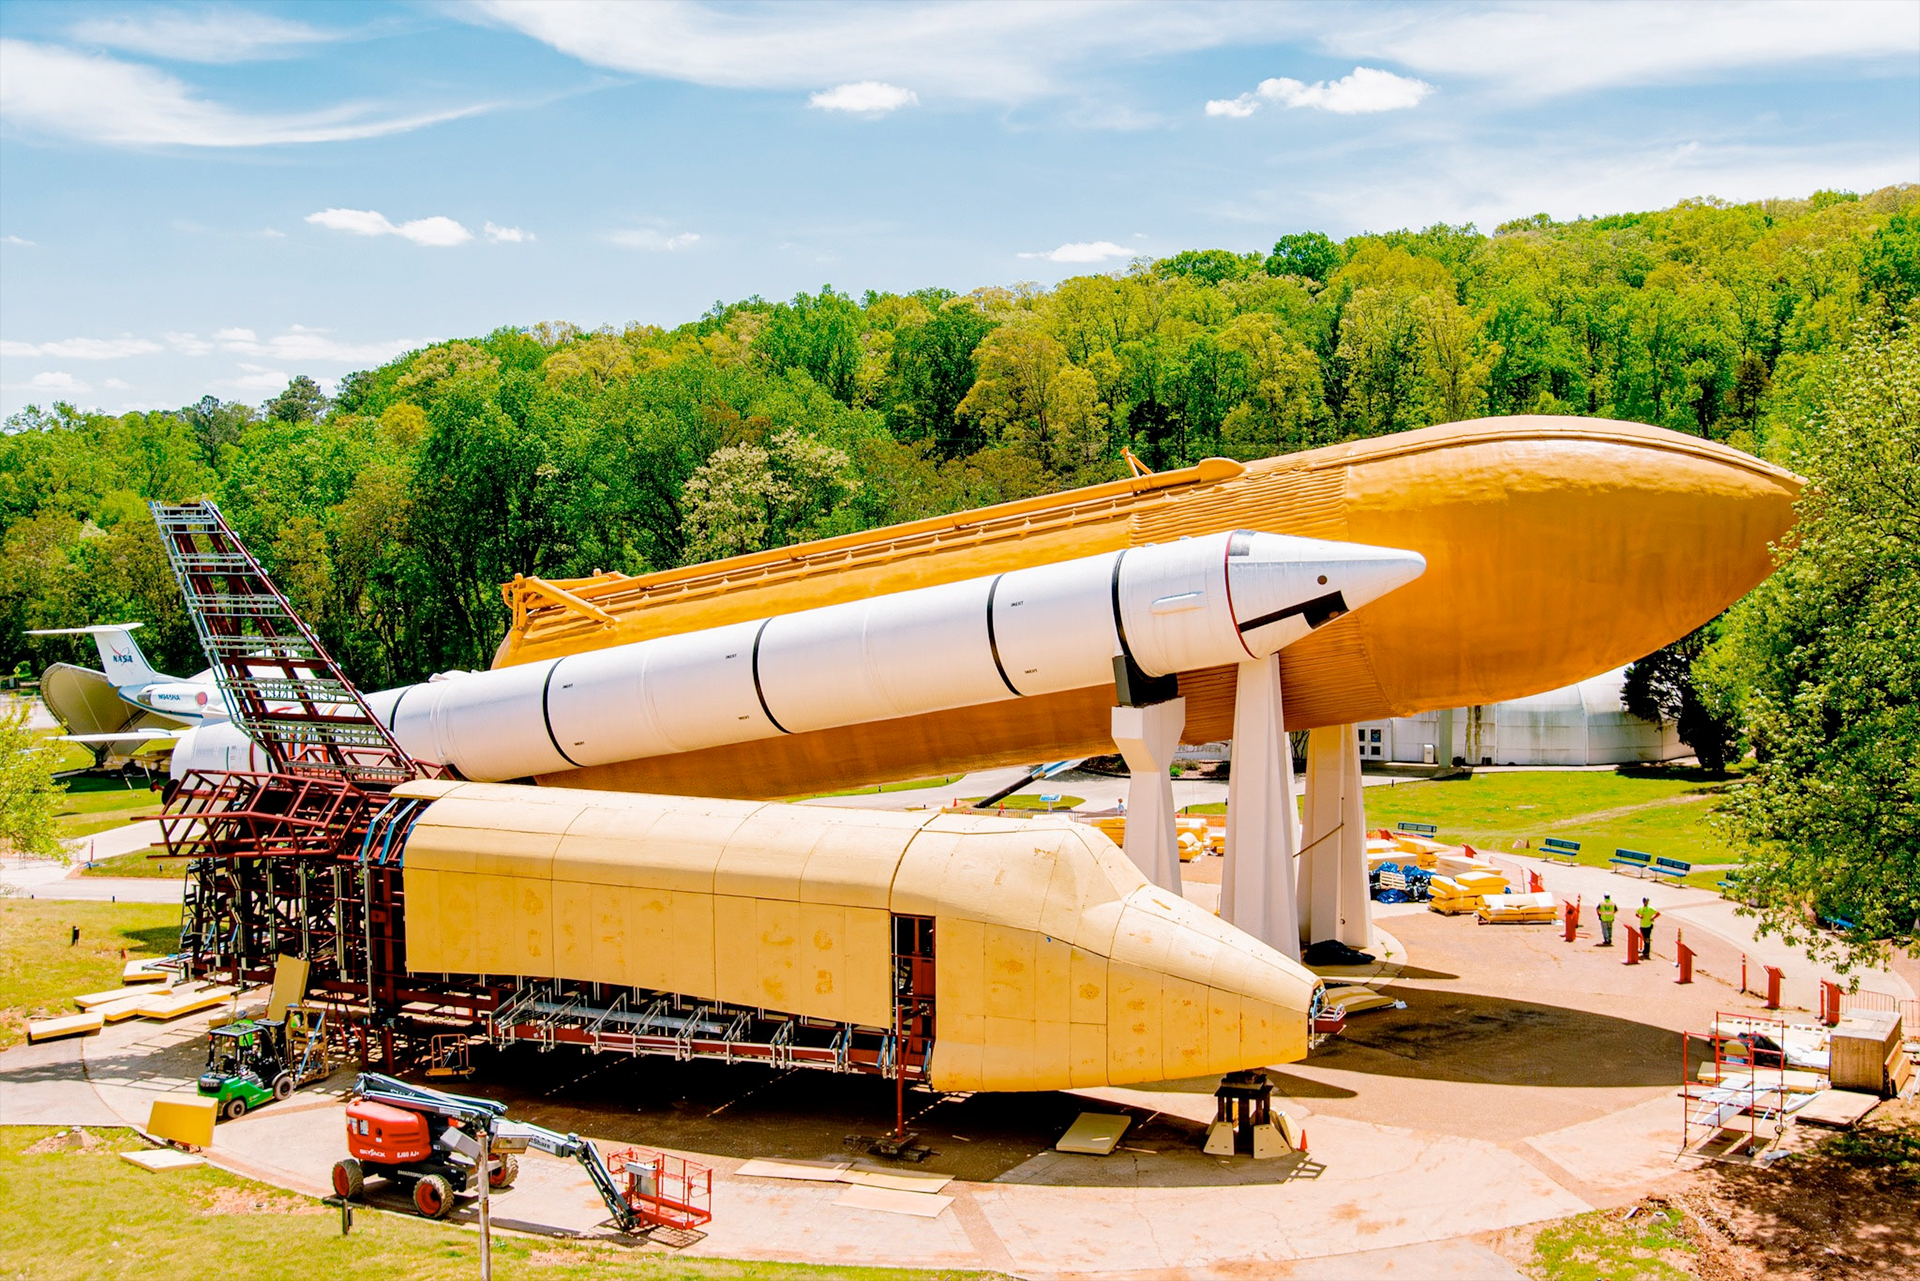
point(227, 34)
point(81, 348)
point(187, 344)
point(977, 52)
point(59, 382)
point(234, 335)
point(1365, 89)
point(645, 238)
point(506, 235)
point(258, 378)
point(1547, 49)
point(1083, 251)
point(437, 231)
point(102, 100)
point(117, 384)
point(864, 97)
point(15, 240)
point(270, 233)
point(1233, 108)
point(300, 344)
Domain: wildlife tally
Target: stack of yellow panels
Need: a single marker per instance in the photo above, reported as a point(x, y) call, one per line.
point(1482, 883)
point(1450, 897)
point(1520, 909)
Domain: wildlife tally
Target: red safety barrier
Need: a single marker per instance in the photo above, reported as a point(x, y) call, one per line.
point(1686, 960)
point(1829, 1002)
point(1633, 945)
point(1773, 987)
point(1572, 914)
point(1534, 884)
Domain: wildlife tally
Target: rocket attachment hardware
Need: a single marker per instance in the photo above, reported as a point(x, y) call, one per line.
point(1159, 609)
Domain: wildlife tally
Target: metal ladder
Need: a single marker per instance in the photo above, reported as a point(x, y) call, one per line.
point(279, 683)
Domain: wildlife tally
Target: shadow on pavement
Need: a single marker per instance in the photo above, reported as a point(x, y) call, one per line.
point(1461, 1036)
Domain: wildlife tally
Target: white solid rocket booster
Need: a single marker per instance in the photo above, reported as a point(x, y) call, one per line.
point(1155, 610)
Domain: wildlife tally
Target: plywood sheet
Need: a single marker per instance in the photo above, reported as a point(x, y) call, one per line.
point(1094, 1133)
point(182, 1118)
point(899, 1181)
point(113, 996)
point(777, 1168)
point(289, 985)
point(894, 1202)
point(69, 1025)
point(162, 1159)
point(172, 1007)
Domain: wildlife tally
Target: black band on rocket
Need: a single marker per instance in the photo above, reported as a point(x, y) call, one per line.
point(993, 643)
point(759, 693)
point(546, 717)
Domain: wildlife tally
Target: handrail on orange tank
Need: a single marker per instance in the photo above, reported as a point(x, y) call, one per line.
point(525, 586)
point(1206, 472)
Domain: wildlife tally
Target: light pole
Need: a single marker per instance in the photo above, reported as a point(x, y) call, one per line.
point(486, 1224)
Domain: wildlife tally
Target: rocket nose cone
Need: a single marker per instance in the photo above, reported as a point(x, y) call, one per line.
point(1284, 587)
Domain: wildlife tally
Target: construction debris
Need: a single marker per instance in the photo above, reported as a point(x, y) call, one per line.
point(1094, 1133)
point(162, 1159)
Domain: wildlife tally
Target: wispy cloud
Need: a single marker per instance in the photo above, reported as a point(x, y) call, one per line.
point(227, 34)
point(438, 231)
point(646, 238)
point(1083, 251)
point(1362, 91)
point(81, 348)
point(1550, 49)
point(864, 97)
point(56, 382)
point(506, 235)
point(976, 52)
point(297, 344)
point(15, 240)
point(92, 98)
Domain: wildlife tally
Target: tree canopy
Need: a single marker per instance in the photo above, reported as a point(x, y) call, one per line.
point(392, 513)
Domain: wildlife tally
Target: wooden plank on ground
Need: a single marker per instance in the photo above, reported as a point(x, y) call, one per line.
point(813, 1171)
point(71, 1025)
point(893, 1202)
point(1094, 1133)
point(1836, 1109)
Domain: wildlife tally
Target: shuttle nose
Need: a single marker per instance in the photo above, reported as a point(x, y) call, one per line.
point(1284, 587)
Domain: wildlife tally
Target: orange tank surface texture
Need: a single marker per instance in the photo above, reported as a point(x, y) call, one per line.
point(1557, 548)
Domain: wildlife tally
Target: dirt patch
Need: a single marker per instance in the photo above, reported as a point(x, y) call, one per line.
point(1849, 1208)
point(63, 1141)
point(252, 1201)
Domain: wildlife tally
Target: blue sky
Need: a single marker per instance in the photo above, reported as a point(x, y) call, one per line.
point(205, 199)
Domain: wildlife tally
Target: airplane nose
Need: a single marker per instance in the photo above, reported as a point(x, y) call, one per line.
point(1285, 587)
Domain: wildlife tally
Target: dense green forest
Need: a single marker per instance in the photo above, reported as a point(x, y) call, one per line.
point(391, 513)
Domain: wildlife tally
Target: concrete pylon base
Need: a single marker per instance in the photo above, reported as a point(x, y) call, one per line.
point(1147, 737)
point(1257, 883)
point(1332, 888)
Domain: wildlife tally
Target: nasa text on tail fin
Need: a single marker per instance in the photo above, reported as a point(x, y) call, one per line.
point(120, 656)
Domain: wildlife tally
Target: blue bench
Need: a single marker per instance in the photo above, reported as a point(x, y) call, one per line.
point(1419, 829)
point(1554, 847)
point(1632, 858)
point(1672, 868)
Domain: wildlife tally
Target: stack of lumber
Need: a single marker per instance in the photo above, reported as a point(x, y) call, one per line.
point(1519, 909)
point(1450, 897)
point(152, 996)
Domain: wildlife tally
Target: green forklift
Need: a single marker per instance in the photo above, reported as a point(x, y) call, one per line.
point(258, 1061)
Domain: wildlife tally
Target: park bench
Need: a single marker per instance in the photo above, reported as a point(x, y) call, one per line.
point(1632, 858)
point(1419, 829)
point(1554, 847)
point(1674, 869)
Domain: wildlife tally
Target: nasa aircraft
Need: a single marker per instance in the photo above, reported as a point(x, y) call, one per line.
point(127, 702)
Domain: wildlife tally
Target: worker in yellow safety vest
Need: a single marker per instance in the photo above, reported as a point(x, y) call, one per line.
point(1606, 909)
point(1647, 917)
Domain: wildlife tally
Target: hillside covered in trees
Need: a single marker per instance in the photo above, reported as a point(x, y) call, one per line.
point(392, 513)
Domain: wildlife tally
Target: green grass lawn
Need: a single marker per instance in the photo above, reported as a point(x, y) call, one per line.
point(1605, 1245)
point(87, 1213)
point(136, 863)
point(95, 803)
point(1656, 811)
point(906, 785)
point(1027, 801)
point(40, 969)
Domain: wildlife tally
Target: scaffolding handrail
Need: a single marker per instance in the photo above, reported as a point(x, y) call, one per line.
point(277, 680)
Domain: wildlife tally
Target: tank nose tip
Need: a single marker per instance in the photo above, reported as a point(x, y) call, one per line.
point(1372, 577)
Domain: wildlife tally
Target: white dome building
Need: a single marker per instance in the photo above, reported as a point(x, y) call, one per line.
point(1584, 724)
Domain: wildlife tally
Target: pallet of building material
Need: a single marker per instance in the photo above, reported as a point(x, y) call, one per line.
point(1863, 1047)
point(1519, 909)
point(67, 1025)
point(165, 1007)
point(1836, 1109)
point(113, 996)
point(147, 971)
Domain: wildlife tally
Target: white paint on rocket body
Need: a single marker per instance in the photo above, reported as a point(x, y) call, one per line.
point(1171, 607)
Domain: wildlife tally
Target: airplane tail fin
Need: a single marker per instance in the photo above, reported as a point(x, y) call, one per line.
point(120, 656)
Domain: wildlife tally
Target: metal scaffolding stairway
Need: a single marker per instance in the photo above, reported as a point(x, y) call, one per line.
point(279, 683)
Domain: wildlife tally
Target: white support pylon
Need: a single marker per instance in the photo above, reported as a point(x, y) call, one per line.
point(1333, 861)
point(1147, 737)
point(1263, 833)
